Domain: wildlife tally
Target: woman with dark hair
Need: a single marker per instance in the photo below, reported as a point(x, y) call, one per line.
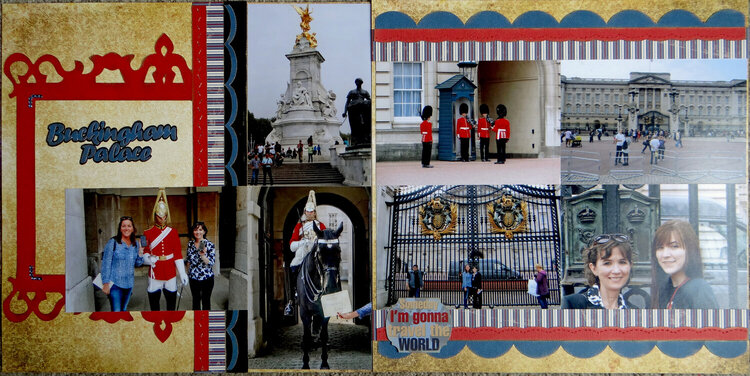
point(607, 269)
point(466, 284)
point(201, 256)
point(122, 254)
point(678, 280)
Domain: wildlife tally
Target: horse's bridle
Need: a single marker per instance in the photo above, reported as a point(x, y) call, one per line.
point(312, 285)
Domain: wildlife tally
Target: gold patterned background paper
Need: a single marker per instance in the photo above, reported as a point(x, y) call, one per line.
point(561, 362)
point(511, 9)
point(73, 32)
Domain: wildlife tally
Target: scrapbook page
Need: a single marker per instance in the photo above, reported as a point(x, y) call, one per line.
point(505, 274)
point(98, 99)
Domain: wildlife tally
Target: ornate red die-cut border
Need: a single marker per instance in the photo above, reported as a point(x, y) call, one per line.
point(32, 86)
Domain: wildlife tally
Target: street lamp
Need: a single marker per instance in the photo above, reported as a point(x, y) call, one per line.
point(674, 108)
point(468, 70)
point(633, 109)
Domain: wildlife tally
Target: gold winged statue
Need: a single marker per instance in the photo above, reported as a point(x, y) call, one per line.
point(305, 19)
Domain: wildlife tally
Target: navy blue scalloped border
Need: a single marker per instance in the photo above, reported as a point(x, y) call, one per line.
point(579, 349)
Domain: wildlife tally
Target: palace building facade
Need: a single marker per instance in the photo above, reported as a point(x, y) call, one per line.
point(648, 101)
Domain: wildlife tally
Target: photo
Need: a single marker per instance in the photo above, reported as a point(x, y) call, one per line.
point(152, 249)
point(308, 94)
point(433, 118)
point(669, 246)
point(653, 121)
point(311, 287)
point(472, 247)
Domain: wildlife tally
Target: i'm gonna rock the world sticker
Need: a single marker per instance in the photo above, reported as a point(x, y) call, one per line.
point(418, 325)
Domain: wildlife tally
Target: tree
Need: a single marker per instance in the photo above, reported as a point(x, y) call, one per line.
point(257, 129)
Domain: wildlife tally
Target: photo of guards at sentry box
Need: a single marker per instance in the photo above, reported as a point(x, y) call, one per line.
point(654, 246)
point(485, 122)
point(470, 246)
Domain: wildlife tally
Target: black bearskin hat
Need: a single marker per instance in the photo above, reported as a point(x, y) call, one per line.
point(463, 108)
point(484, 109)
point(426, 112)
point(501, 111)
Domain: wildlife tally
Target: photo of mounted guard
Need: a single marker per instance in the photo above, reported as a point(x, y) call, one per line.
point(311, 278)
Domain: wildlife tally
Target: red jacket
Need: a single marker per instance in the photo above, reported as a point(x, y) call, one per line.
point(502, 128)
point(170, 245)
point(298, 233)
point(484, 128)
point(463, 128)
point(426, 129)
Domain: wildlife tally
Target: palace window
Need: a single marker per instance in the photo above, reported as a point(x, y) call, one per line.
point(407, 89)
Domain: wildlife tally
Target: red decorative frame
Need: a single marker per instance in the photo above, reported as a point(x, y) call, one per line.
point(32, 86)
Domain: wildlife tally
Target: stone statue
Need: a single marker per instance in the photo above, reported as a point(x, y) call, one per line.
point(328, 104)
point(301, 96)
point(358, 107)
point(281, 108)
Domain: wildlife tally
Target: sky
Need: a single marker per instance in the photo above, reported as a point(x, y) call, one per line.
point(683, 70)
point(343, 34)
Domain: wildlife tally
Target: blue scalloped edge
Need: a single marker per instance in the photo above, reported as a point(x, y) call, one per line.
point(577, 19)
point(579, 349)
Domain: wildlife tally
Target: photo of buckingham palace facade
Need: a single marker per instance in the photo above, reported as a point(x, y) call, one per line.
point(652, 101)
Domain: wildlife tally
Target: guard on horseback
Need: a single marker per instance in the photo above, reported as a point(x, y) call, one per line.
point(303, 240)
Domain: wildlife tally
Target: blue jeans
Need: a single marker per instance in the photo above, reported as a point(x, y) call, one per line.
point(254, 178)
point(467, 292)
point(542, 301)
point(119, 298)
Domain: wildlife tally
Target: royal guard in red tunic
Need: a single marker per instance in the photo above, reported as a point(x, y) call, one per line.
point(483, 126)
point(303, 240)
point(502, 130)
point(463, 131)
point(426, 129)
point(164, 254)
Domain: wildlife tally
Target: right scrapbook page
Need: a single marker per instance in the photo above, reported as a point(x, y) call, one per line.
point(560, 187)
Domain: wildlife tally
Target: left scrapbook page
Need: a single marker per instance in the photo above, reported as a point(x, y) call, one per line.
point(115, 110)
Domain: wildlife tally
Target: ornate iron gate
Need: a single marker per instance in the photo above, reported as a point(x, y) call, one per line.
point(503, 230)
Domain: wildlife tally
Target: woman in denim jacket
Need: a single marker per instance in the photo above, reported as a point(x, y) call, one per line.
point(122, 254)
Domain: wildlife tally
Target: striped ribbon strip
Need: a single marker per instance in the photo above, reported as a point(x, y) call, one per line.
point(554, 50)
point(217, 341)
point(215, 90)
point(641, 318)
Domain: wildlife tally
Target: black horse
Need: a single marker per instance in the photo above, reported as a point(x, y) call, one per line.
point(319, 274)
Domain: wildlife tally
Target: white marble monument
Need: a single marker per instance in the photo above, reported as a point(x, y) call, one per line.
point(306, 108)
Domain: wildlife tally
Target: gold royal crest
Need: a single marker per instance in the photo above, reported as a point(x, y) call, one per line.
point(507, 215)
point(438, 218)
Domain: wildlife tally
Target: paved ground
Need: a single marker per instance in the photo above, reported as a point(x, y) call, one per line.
point(139, 299)
point(514, 171)
point(701, 160)
point(350, 348)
